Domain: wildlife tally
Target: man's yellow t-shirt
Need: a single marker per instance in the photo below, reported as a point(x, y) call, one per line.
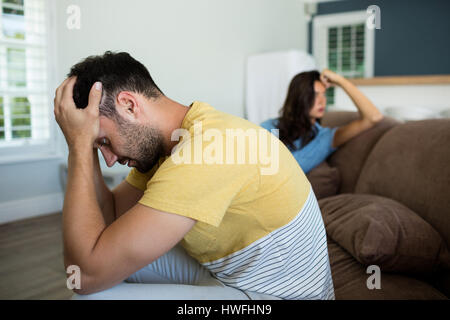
point(259, 226)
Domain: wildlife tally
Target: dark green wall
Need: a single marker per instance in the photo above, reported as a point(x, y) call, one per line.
point(414, 38)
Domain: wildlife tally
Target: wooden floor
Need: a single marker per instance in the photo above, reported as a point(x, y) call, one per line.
point(31, 260)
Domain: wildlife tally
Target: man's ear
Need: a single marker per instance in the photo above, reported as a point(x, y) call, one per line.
point(127, 105)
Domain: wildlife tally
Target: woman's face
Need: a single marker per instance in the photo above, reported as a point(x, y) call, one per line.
point(320, 102)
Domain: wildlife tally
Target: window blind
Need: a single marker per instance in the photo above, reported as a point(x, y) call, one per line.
point(24, 105)
point(346, 47)
point(346, 50)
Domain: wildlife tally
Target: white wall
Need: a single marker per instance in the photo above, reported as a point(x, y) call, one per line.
point(194, 50)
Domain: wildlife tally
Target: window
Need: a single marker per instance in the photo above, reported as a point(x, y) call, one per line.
point(342, 43)
point(24, 98)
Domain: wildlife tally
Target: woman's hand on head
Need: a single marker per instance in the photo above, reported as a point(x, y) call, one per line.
point(330, 78)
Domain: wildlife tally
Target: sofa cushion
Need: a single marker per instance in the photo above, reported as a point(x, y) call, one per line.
point(380, 231)
point(325, 180)
point(411, 164)
point(350, 281)
point(350, 157)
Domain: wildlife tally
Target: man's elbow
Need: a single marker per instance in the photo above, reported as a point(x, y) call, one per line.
point(85, 286)
point(80, 281)
point(82, 291)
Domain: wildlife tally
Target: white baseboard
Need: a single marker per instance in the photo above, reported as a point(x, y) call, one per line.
point(30, 207)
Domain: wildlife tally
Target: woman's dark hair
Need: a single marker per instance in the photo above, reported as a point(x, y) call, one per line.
point(294, 121)
point(117, 72)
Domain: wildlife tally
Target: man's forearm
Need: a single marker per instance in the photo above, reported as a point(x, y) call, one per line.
point(105, 197)
point(83, 221)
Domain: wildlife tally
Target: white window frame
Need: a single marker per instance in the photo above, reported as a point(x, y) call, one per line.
point(21, 151)
point(322, 23)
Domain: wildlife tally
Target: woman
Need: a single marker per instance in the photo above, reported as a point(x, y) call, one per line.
point(299, 122)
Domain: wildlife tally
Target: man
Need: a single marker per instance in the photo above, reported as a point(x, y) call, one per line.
point(250, 230)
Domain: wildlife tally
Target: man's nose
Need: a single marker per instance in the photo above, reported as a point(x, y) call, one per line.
point(109, 156)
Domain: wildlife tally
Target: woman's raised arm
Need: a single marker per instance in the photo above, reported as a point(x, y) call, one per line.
point(370, 115)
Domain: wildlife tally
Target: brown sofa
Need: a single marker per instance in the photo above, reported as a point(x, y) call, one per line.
point(385, 199)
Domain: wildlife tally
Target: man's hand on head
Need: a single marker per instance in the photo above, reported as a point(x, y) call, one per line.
point(80, 126)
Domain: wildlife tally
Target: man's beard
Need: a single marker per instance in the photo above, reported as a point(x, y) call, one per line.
point(144, 145)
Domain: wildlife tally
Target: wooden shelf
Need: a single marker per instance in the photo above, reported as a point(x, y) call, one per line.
point(401, 80)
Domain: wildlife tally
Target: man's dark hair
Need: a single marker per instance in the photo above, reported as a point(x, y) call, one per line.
point(117, 72)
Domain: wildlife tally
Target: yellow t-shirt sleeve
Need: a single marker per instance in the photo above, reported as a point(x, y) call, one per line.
point(139, 180)
point(201, 192)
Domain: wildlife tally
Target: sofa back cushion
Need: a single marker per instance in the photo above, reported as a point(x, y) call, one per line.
point(411, 164)
point(380, 231)
point(325, 180)
point(350, 157)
